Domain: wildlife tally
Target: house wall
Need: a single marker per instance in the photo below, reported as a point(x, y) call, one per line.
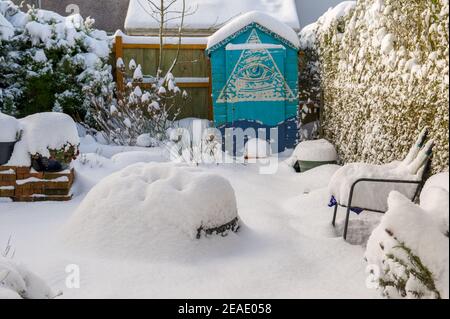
point(109, 15)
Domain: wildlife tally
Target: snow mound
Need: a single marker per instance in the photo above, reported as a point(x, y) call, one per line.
point(257, 148)
point(408, 223)
point(368, 194)
point(9, 128)
point(125, 159)
point(265, 20)
point(152, 210)
point(434, 199)
point(43, 132)
point(17, 282)
point(315, 151)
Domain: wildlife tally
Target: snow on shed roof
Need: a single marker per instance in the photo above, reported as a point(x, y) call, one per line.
point(210, 14)
point(270, 23)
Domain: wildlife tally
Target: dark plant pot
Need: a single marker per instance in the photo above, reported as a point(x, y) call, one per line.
point(303, 166)
point(43, 164)
point(6, 150)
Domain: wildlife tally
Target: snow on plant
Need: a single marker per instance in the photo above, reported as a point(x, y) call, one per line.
point(17, 282)
point(48, 62)
point(383, 69)
point(126, 116)
point(408, 253)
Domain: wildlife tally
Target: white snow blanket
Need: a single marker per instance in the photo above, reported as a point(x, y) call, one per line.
point(43, 132)
point(210, 14)
point(434, 199)
point(271, 23)
point(9, 128)
point(409, 224)
point(150, 210)
point(315, 151)
point(17, 282)
point(369, 194)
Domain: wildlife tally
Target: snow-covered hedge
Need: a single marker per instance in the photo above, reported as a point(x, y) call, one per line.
point(47, 61)
point(383, 68)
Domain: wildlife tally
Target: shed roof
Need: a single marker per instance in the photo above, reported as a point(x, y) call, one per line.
point(209, 15)
point(264, 21)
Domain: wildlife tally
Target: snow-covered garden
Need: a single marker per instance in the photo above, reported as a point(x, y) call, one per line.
point(105, 193)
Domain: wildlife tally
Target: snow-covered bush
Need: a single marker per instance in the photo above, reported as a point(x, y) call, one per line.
point(126, 116)
point(17, 282)
point(50, 135)
point(48, 62)
point(383, 67)
point(151, 210)
point(408, 254)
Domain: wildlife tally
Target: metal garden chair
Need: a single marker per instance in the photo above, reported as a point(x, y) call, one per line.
point(420, 183)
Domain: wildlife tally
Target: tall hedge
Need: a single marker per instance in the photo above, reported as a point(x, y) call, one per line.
point(384, 75)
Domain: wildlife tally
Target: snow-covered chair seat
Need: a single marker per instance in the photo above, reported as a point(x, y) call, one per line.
point(360, 186)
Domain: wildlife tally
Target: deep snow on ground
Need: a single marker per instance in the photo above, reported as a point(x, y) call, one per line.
point(286, 247)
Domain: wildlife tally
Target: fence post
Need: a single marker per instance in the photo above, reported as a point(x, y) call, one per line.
point(119, 54)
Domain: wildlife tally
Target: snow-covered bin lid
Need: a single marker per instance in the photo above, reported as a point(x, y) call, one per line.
point(152, 210)
point(315, 151)
point(266, 21)
point(49, 131)
point(9, 128)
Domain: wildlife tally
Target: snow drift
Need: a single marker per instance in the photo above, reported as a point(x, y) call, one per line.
point(152, 210)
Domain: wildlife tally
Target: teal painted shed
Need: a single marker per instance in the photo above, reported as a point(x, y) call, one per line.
point(254, 69)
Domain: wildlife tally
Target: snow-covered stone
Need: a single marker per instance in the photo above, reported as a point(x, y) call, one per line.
point(151, 210)
point(257, 148)
point(145, 140)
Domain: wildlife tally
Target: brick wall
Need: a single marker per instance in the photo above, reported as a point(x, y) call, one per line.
point(26, 185)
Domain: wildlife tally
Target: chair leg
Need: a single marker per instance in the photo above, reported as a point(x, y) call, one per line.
point(334, 215)
point(347, 218)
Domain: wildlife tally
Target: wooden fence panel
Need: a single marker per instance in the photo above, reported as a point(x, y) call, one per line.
point(192, 72)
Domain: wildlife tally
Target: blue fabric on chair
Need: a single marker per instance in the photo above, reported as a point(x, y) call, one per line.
point(333, 202)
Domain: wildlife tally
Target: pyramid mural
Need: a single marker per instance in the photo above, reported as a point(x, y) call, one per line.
point(256, 77)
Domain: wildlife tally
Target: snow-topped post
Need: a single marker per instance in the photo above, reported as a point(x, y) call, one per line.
point(119, 55)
